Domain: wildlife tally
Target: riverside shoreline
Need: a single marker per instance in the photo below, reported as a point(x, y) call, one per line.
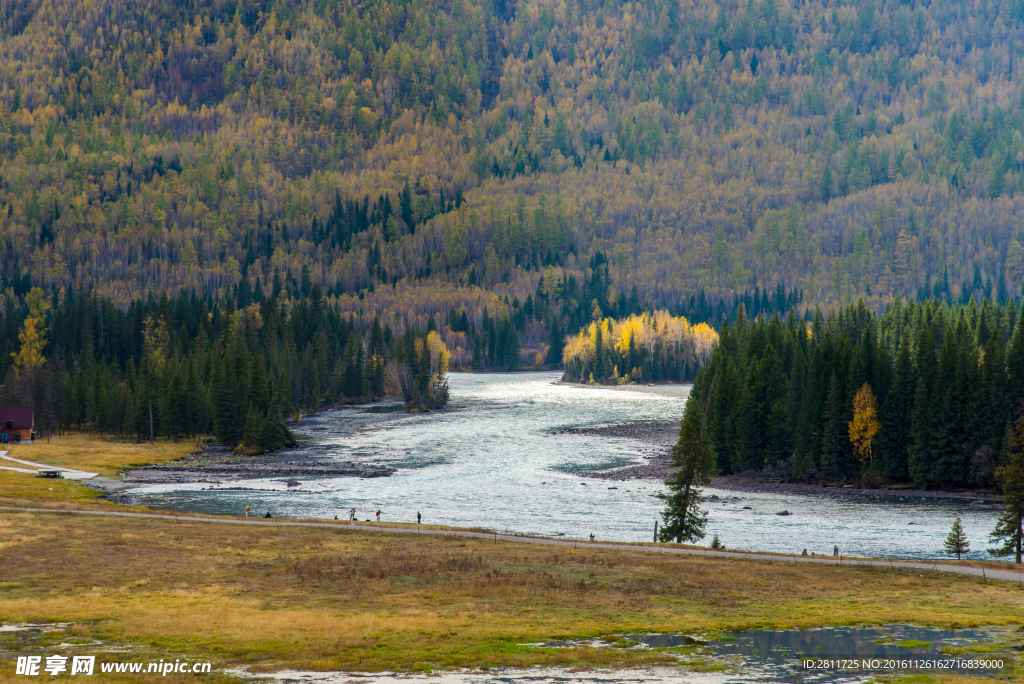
point(735, 483)
point(1008, 574)
point(659, 467)
point(215, 464)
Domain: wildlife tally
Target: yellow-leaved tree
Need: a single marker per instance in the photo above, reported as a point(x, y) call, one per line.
point(156, 343)
point(864, 425)
point(439, 357)
point(29, 358)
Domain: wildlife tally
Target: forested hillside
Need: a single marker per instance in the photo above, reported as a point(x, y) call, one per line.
point(414, 156)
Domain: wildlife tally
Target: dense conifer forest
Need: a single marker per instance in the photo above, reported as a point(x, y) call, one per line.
point(177, 368)
point(925, 393)
point(414, 157)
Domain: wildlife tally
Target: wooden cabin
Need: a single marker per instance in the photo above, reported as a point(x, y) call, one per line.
point(17, 424)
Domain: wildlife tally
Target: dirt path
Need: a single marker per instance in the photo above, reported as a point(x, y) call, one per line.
point(869, 562)
point(66, 473)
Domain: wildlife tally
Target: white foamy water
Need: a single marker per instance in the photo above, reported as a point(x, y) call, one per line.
point(495, 460)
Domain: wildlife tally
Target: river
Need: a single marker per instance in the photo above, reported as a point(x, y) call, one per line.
point(499, 458)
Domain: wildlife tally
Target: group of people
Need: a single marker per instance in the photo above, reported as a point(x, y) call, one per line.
point(352, 515)
point(265, 516)
point(419, 519)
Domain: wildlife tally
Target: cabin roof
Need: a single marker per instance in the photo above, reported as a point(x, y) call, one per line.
point(23, 416)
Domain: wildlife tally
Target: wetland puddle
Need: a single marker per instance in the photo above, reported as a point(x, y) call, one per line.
point(755, 657)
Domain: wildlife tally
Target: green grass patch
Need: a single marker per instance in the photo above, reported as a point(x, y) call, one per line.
point(914, 643)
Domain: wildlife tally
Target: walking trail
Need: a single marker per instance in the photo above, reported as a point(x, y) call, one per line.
point(869, 562)
point(66, 473)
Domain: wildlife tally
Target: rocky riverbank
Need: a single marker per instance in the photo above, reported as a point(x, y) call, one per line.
point(659, 467)
point(739, 484)
point(661, 435)
point(216, 463)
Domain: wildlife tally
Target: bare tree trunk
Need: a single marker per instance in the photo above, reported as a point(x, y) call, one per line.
point(1020, 533)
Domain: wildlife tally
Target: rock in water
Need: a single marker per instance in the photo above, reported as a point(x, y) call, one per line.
point(783, 513)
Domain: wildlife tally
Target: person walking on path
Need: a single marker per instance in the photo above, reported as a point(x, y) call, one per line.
point(378, 515)
point(352, 515)
point(246, 511)
point(418, 517)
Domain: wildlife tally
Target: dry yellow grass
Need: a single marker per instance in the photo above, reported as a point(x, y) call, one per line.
point(93, 454)
point(104, 456)
point(23, 489)
point(358, 599)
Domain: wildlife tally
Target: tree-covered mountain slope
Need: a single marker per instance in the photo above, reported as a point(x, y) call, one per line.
point(415, 156)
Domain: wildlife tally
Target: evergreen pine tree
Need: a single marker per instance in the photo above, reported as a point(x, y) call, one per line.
point(956, 542)
point(723, 404)
point(477, 352)
point(273, 434)
point(557, 343)
point(684, 520)
point(1015, 363)
point(362, 385)
point(950, 410)
point(314, 391)
point(377, 346)
point(1010, 526)
point(800, 398)
point(919, 453)
point(250, 434)
point(175, 407)
point(895, 434)
point(259, 385)
point(993, 408)
point(832, 432)
point(353, 367)
point(222, 401)
point(146, 381)
point(774, 394)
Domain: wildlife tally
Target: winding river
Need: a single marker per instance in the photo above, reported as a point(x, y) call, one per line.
point(500, 458)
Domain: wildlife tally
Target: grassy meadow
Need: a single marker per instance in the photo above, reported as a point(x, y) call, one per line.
point(96, 454)
point(359, 599)
point(356, 598)
point(81, 452)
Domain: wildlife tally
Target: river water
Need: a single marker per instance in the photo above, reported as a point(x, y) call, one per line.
point(498, 458)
